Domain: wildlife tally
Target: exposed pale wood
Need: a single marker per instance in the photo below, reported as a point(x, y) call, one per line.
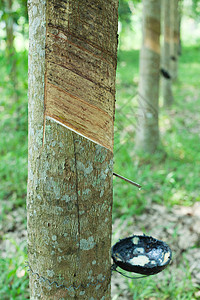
point(79, 115)
point(80, 92)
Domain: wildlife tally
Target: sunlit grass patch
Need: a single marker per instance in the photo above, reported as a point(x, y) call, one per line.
point(13, 276)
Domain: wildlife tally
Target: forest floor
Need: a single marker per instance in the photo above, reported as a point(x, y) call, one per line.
point(179, 227)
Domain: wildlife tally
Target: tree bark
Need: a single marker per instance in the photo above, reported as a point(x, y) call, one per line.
point(72, 66)
point(168, 98)
point(147, 136)
point(174, 47)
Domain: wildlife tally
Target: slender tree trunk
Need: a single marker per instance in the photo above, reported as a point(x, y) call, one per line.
point(72, 66)
point(174, 47)
point(180, 10)
point(168, 98)
point(147, 137)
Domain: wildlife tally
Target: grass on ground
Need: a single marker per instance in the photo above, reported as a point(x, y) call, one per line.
point(167, 179)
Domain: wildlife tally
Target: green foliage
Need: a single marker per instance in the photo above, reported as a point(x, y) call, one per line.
point(124, 11)
point(13, 173)
point(196, 8)
point(13, 133)
point(18, 13)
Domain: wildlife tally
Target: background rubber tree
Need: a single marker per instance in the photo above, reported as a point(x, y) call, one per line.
point(72, 66)
point(175, 39)
point(166, 88)
point(147, 136)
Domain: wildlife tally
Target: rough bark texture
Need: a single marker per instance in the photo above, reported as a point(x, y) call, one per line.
point(174, 46)
point(168, 98)
point(147, 137)
point(72, 59)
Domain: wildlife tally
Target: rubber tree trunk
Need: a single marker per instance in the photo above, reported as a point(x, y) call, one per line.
point(147, 136)
point(167, 94)
point(174, 46)
point(72, 67)
point(180, 11)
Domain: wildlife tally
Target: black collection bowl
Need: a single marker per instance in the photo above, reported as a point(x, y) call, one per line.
point(141, 254)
